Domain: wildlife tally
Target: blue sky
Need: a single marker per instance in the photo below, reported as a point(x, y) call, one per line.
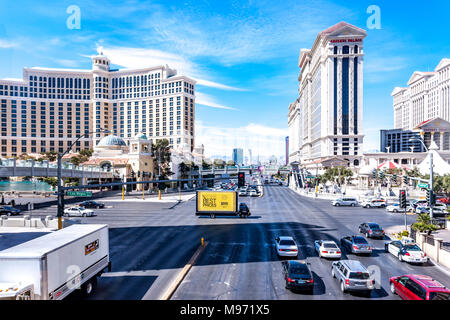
point(243, 54)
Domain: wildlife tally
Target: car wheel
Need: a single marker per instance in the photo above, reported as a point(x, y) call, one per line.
point(332, 273)
point(343, 287)
point(337, 204)
point(84, 215)
point(400, 258)
point(366, 206)
point(8, 214)
point(367, 235)
point(393, 288)
point(386, 248)
point(352, 204)
point(89, 287)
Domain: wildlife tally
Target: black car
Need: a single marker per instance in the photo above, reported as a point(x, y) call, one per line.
point(297, 275)
point(244, 211)
point(356, 244)
point(92, 204)
point(371, 230)
point(9, 211)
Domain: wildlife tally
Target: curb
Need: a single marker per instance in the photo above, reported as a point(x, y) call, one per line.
point(173, 287)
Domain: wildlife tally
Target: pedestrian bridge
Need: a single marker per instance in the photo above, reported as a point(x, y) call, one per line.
point(32, 168)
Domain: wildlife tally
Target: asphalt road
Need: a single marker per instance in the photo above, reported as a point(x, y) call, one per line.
point(151, 242)
point(240, 261)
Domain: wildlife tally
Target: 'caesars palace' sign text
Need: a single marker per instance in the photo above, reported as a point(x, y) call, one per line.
point(345, 40)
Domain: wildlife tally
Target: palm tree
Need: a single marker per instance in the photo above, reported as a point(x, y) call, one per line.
point(161, 158)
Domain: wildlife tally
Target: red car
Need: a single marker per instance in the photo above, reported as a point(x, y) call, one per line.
point(443, 200)
point(418, 287)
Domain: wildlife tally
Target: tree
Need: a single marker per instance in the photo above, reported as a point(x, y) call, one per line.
point(49, 155)
point(24, 156)
point(52, 181)
point(336, 174)
point(219, 163)
point(205, 165)
point(183, 170)
point(423, 223)
point(161, 158)
point(231, 163)
point(82, 156)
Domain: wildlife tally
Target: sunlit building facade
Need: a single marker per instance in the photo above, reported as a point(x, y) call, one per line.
point(48, 109)
point(326, 119)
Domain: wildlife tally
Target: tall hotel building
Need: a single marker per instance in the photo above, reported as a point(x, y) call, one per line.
point(426, 97)
point(325, 121)
point(50, 108)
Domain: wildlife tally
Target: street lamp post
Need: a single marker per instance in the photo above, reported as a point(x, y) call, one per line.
point(60, 211)
point(431, 174)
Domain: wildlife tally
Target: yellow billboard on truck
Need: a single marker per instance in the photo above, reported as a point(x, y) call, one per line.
point(216, 202)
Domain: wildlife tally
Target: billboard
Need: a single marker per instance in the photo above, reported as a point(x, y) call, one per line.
point(216, 201)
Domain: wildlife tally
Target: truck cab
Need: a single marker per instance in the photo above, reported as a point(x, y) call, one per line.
point(16, 291)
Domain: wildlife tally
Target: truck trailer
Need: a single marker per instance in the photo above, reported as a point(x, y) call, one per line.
point(52, 266)
point(214, 203)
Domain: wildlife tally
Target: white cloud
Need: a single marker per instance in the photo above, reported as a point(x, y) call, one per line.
point(264, 141)
point(6, 44)
point(207, 100)
point(134, 58)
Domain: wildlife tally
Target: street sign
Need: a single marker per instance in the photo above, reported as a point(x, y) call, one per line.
point(79, 193)
point(422, 185)
point(310, 177)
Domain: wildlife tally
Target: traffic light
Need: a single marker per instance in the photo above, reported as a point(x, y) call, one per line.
point(405, 179)
point(374, 174)
point(132, 174)
point(431, 198)
point(139, 174)
point(394, 177)
point(241, 179)
point(381, 175)
point(402, 198)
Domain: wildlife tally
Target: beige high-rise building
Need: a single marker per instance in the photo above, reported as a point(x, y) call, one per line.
point(49, 109)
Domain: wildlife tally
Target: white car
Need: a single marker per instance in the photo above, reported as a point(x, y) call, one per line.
point(327, 249)
point(243, 192)
point(286, 247)
point(404, 251)
point(375, 203)
point(395, 207)
point(253, 193)
point(78, 212)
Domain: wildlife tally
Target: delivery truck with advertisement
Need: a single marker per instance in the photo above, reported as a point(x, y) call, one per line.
point(52, 266)
point(215, 203)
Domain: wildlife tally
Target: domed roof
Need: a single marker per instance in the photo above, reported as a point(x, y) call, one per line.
point(140, 136)
point(110, 141)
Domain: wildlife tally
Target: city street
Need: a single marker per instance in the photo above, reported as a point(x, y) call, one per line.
point(150, 243)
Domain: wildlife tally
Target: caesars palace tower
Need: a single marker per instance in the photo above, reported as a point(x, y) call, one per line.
point(325, 121)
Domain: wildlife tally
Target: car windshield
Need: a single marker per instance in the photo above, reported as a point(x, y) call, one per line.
point(374, 226)
point(359, 275)
point(439, 295)
point(359, 240)
point(412, 248)
point(287, 243)
point(329, 245)
point(299, 269)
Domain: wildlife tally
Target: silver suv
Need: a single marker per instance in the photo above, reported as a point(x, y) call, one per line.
point(352, 276)
point(345, 202)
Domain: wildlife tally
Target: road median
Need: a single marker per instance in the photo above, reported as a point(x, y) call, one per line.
point(180, 277)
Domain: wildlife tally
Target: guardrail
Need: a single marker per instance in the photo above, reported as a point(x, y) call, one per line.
point(32, 168)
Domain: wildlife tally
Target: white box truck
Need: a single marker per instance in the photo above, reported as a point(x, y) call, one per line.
point(54, 265)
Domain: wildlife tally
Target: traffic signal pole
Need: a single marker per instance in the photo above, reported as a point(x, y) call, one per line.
point(431, 186)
